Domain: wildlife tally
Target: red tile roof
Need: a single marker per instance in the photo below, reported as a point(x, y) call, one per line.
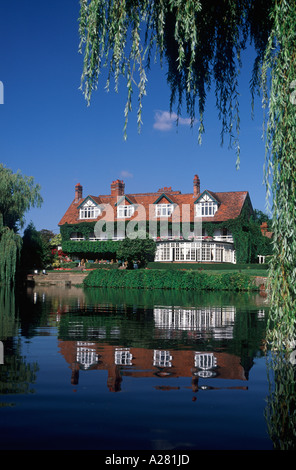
point(230, 205)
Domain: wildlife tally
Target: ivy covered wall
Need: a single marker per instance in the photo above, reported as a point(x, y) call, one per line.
point(248, 239)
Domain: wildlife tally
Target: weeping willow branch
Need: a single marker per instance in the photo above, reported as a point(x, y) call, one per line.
point(18, 193)
point(10, 246)
point(278, 74)
point(200, 42)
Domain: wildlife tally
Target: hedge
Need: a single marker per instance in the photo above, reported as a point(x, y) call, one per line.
point(165, 279)
point(207, 267)
point(86, 246)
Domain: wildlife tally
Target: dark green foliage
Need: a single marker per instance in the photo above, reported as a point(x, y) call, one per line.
point(17, 194)
point(47, 236)
point(166, 279)
point(101, 265)
point(10, 246)
point(278, 77)
point(248, 239)
point(209, 267)
point(89, 249)
point(85, 228)
point(138, 250)
point(35, 253)
point(69, 264)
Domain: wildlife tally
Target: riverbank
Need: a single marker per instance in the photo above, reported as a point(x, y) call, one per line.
point(57, 278)
point(174, 279)
point(168, 279)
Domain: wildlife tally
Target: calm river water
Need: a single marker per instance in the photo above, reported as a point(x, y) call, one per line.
point(118, 370)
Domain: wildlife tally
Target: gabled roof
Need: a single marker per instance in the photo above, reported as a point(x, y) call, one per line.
point(124, 198)
point(92, 198)
point(164, 196)
point(209, 193)
point(230, 205)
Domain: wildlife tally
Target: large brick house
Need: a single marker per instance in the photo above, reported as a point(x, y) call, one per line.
point(164, 214)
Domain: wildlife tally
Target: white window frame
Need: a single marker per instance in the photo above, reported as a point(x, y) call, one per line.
point(89, 211)
point(123, 357)
point(125, 211)
point(206, 207)
point(164, 210)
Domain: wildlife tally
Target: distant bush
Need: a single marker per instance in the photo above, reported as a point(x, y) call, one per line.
point(69, 264)
point(101, 265)
point(169, 279)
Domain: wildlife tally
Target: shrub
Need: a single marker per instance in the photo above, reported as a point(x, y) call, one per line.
point(165, 279)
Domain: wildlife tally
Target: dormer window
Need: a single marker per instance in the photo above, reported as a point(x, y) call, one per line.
point(125, 211)
point(164, 210)
point(89, 210)
point(206, 206)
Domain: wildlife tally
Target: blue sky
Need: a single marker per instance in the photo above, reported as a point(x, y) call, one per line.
point(48, 131)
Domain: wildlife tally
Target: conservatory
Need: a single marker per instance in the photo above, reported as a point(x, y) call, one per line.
point(195, 251)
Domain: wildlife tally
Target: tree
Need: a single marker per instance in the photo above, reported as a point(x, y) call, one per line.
point(260, 217)
point(46, 235)
point(10, 246)
point(32, 248)
point(18, 194)
point(201, 42)
point(138, 250)
point(56, 241)
point(35, 253)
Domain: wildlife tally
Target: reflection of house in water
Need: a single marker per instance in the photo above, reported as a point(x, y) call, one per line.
point(205, 364)
point(86, 354)
point(142, 362)
point(218, 321)
point(98, 342)
point(162, 358)
point(123, 357)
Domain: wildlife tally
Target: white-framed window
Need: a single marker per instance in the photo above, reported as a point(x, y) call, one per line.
point(123, 357)
point(205, 360)
point(162, 358)
point(206, 207)
point(164, 210)
point(89, 211)
point(125, 211)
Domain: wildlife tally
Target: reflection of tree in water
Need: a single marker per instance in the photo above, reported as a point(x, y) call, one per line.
point(8, 320)
point(281, 403)
point(16, 375)
point(280, 412)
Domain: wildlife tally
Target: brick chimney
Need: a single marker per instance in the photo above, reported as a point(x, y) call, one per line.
point(117, 188)
point(196, 186)
point(78, 192)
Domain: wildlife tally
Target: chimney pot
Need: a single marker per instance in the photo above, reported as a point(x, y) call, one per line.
point(78, 192)
point(196, 186)
point(117, 188)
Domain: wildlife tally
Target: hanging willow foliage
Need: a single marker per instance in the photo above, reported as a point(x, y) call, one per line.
point(18, 193)
point(10, 246)
point(280, 61)
point(201, 43)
